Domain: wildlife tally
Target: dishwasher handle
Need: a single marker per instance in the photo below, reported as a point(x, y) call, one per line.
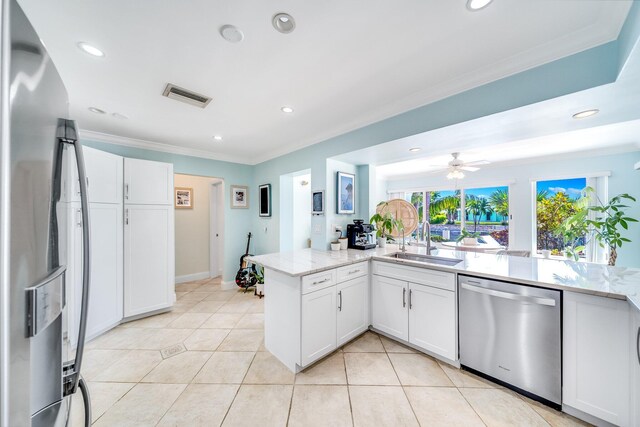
point(508, 295)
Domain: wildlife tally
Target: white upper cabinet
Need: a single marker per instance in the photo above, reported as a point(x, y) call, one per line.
point(353, 308)
point(147, 182)
point(104, 176)
point(389, 306)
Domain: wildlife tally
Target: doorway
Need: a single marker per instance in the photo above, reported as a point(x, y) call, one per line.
point(295, 210)
point(199, 226)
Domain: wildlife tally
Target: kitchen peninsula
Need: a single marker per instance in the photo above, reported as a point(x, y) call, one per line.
point(317, 301)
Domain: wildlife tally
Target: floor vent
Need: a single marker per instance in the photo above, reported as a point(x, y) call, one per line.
point(186, 96)
point(172, 351)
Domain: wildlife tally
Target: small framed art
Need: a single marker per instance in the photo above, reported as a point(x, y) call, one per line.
point(317, 202)
point(264, 200)
point(239, 197)
point(183, 198)
point(346, 193)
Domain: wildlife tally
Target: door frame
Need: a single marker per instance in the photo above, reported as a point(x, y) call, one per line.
point(216, 228)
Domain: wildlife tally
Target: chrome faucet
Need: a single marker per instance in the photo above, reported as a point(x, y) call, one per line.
point(403, 248)
point(426, 225)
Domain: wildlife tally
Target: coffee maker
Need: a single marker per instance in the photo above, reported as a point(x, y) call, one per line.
point(360, 235)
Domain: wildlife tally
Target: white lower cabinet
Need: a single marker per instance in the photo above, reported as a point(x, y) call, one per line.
point(596, 357)
point(432, 319)
point(318, 324)
point(148, 258)
point(353, 309)
point(635, 369)
point(389, 307)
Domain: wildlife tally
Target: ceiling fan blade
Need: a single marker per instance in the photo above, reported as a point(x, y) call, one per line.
point(469, 168)
point(477, 163)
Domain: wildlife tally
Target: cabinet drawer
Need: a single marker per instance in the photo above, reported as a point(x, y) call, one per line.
point(352, 271)
point(316, 281)
point(423, 276)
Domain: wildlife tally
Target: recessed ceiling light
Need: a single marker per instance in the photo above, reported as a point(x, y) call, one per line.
point(287, 109)
point(415, 149)
point(231, 33)
point(475, 5)
point(91, 50)
point(217, 137)
point(119, 116)
point(586, 113)
point(97, 110)
point(283, 23)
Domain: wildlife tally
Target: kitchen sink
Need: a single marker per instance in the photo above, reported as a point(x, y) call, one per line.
point(427, 259)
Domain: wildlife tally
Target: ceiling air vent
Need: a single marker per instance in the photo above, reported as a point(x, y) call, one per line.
point(184, 95)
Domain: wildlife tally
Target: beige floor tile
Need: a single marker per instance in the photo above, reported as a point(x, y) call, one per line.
point(103, 396)
point(392, 346)
point(144, 405)
point(242, 340)
point(183, 306)
point(251, 321)
point(187, 287)
point(330, 370)
point(96, 360)
point(222, 321)
point(225, 368)
point(206, 307)
point(179, 295)
point(235, 307)
point(200, 405)
point(178, 369)
point(419, 370)
point(441, 406)
point(189, 321)
point(158, 339)
point(314, 405)
point(247, 411)
point(501, 408)
point(464, 379)
point(380, 406)
point(553, 417)
point(131, 367)
point(206, 339)
point(369, 369)
point(151, 322)
point(122, 339)
point(257, 306)
point(366, 343)
point(208, 288)
point(266, 369)
point(219, 296)
point(196, 296)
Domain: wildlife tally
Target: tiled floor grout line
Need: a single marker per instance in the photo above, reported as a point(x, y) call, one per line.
point(400, 382)
point(470, 405)
point(346, 378)
point(238, 390)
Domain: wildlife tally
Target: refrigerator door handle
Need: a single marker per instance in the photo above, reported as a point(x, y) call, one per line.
point(67, 133)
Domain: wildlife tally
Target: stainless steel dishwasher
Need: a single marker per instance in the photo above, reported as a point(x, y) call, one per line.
point(512, 333)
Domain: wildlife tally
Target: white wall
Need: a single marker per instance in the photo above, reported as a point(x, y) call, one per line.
point(301, 212)
point(623, 179)
point(193, 230)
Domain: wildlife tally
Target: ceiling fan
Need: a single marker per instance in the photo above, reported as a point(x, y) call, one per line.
point(456, 166)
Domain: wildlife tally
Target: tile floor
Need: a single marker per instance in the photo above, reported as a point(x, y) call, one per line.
point(204, 364)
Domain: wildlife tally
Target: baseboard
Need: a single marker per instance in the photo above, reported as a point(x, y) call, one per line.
point(228, 285)
point(192, 277)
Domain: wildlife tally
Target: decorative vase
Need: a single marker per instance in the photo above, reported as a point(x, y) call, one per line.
point(335, 246)
point(344, 243)
point(470, 241)
point(382, 242)
point(546, 253)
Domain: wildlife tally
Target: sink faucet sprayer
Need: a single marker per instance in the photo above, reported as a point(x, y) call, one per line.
point(426, 225)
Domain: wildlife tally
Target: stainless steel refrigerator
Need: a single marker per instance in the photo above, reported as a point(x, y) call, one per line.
point(37, 374)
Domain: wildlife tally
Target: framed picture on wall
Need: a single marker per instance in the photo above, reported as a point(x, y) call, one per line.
point(239, 197)
point(264, 200)
point(183, 197)
point(346, 193)
point(317, 202)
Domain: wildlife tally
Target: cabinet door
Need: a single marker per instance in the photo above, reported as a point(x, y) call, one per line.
point(635, 363)
point(318, 324)
point(432, 319)
point(147, 182)
point(105, 296)
point(596, 356)
point(148, 258)
point(104, 176)
point(389, 306)
point(353, 308)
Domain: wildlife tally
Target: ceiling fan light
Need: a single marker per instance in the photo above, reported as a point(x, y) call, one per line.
point(455, 174)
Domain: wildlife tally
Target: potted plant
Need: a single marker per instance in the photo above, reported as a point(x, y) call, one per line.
point(468, 238)
point(385, 224)
point(259, 275)
point(574, 231)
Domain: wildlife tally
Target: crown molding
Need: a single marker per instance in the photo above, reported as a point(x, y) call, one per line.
point(157, 146)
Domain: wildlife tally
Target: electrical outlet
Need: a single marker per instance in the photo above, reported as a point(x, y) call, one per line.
point(337, 227)
point(317, 228)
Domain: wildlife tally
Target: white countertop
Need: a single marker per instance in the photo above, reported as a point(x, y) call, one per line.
point(595, 279)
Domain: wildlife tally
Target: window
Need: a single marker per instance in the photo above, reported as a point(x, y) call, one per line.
point(487, 213)
point(555, 202)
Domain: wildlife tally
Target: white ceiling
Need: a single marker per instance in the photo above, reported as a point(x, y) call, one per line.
point(347, 64)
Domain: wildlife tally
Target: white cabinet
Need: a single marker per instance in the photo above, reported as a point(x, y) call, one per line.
point(635, 368)
point(148, 258)
point(147, 182)
point(318, 324)
point(353, 308)
point(432, 319)
point(596, 357)
point(389, 306)
point(104, 176)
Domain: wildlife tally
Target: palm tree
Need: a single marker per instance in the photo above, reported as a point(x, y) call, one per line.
point(541, 195)
point(448, 204)
point(499, 201)
point(477, 206)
